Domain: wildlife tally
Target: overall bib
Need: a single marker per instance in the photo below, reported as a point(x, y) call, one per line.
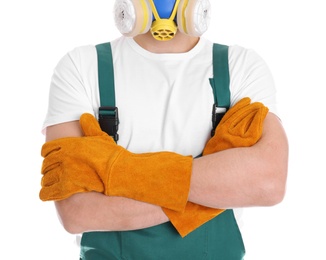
point(219, 238)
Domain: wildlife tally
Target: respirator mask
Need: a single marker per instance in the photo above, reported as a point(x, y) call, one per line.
point(162, 17)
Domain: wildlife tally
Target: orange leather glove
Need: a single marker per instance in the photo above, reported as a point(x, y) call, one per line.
point(241, 126)
point(95, 162)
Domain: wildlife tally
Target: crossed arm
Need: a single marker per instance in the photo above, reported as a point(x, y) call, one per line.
point(238, 177)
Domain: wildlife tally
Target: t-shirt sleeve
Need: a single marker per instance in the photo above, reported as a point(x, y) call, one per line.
point(69, 94)
point(251, 77)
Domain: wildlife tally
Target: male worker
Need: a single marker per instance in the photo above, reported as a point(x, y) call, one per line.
point(149, 195)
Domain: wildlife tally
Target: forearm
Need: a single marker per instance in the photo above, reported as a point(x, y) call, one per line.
point(237, 177)
point(96, 212)
point(242, 177)
point(93, 211)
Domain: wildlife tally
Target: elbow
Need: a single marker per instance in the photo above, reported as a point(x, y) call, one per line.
point(273, 194)
point(273, 177)
point(272, 166)
point(273, 189)
point(68, 216)
point(71, 227)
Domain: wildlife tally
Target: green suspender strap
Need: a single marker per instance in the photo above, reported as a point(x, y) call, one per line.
point(108, 112)
point(220, 83)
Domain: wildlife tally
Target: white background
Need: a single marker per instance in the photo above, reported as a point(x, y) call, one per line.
point(288, 34)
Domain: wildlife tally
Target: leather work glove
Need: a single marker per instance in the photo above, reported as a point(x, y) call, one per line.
point(95, 162)
point(241, 126)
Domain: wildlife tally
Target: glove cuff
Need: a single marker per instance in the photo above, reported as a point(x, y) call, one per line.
point(161, 178)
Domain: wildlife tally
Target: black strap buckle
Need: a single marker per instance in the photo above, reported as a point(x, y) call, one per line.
point(109, 121)
point(217, 115)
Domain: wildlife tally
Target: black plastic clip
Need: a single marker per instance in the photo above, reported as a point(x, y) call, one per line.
point(217, 115)
point(109, 121)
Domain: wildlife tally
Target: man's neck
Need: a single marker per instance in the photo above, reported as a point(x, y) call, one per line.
point(179, 44)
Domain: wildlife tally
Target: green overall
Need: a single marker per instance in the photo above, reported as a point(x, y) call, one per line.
point(220, 238)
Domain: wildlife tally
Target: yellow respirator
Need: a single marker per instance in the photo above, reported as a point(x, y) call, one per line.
point(162, 17)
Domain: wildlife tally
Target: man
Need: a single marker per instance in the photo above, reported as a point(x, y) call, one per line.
point(164, 100)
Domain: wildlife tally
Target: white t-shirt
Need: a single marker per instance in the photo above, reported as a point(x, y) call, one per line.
point(164, 100)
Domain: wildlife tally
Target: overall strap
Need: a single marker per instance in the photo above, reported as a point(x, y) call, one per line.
point(108, 112)
point(220, 83)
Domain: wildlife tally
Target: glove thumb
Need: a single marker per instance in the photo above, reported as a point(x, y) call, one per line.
point(90, 125)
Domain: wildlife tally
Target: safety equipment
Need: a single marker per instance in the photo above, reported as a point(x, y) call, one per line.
point(95, 162)
point(241, 126)
point(162, 17)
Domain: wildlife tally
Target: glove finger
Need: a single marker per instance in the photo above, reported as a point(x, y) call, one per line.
point(57, 187)
point(90, 125)
point(56, 192)
point(250, 123)
point(51, 161)
point(246, 115)
point(243, 113)
point(49, 165)
point(50, 147)
point(50, 192)
point(51, 177)
point(255, 129)
point(244, 102)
